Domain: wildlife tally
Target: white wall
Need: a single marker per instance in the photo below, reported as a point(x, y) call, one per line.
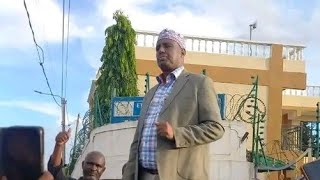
point(228, 156)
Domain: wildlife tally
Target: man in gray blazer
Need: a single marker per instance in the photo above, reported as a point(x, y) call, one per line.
point(179, 118)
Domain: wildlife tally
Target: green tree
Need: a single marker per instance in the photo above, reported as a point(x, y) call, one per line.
point(118, 70)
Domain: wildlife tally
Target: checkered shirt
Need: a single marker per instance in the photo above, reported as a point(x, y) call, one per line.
point(148, 145)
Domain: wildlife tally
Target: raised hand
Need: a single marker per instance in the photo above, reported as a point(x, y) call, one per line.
point(63, 137)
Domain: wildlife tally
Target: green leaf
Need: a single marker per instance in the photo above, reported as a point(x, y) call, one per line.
point(118, 69)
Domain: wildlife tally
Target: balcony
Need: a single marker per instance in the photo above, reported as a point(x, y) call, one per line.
point(225, 46)
point(301, 104)
point(310, 91)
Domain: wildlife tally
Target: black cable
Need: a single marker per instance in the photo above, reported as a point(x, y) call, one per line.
point(41, 58)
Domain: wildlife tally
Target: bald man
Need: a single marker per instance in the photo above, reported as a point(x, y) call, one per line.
point(93, 165)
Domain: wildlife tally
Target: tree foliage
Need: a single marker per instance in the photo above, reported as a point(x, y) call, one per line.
point(118, 70)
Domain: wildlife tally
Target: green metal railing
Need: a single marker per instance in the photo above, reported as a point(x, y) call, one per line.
point(257, 118)
point(303, 136)
point(81, 140)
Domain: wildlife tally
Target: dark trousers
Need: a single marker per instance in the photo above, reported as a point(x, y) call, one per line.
point(145, 174)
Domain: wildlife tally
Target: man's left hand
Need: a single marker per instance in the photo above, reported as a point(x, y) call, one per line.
point(164, 129)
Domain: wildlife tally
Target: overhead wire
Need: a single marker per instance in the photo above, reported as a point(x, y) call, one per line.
point(45, 43)
point(33, 35)
point(39, 49)
point(62, 49)
point(67, 51)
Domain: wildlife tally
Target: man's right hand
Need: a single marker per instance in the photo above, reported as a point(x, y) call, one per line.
point(63, 137)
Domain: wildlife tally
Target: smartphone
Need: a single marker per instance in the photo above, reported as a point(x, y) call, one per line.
point(22, 152)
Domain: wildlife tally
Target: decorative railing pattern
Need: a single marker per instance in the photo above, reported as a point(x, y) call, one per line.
point(291, 52)
point(224, 46)
point(292, 138)
point(301, 137)
point(313, 91)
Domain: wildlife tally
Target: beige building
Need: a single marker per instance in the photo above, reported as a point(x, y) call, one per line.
point(282, 89)
point(231, 63)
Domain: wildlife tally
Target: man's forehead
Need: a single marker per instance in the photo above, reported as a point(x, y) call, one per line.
point(96, 161)
point(94, 157)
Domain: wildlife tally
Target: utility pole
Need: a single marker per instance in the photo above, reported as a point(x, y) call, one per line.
point(63, 118)
point(252, 27)
point(63, 125)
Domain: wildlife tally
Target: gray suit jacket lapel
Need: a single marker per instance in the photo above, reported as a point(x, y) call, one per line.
point(178, 85)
